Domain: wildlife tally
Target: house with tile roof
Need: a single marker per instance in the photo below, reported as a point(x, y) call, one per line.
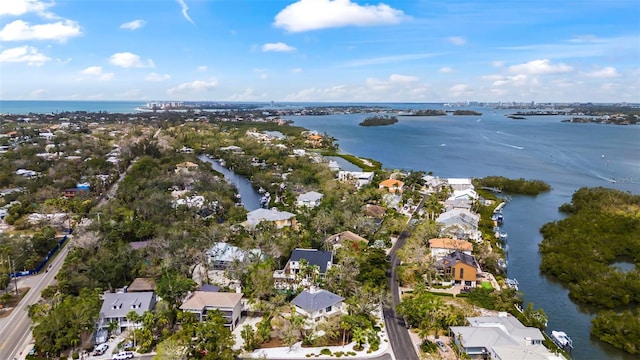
point(393, 185)
point(116, 306)
point(288, 278)
point(317, 304)
point(202, 302)
point(441, 247)
point(142, 285)
point(336, 240)
point(186, 167)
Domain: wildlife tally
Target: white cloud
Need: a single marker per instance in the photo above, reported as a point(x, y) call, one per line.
point(133, 25)
point(20, 7)
point(194, 86)
point(296, 70)
point(397, 78)
point(606, 72)
point(158, 77)
point(456, 40)
point(28, 54)
point(539, 67)
point(279, 47)
point(19, 30)
point(497, 63)
point(38, 93)
point(247, 95)
point(202, 68)
point(97, 71)
point(445, 70)
point(305, 15)
point(129, 60)
point(185, 10)
point(92, 70)
point(460, 90)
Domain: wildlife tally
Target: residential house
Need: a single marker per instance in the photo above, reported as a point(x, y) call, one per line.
point(310, 199)
point(232, 148)
point(287, 278)
point(460, 223)
point(451, 204)
point(221, 255)
point(279, 218)
point(393, 185)
point(433, 183)
point(202, 302)
point(71, 193)
point(337, 239)
point(468, 194)
point(359, 178)
point(142, 285)
point(116, 306)
point(460, 183)
point(186, 150)
point(186, 167)
point(501, 337)
point(462, 268)
point(316, 304)
point(441, 247)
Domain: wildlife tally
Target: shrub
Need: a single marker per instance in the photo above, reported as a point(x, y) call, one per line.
point(325, 351)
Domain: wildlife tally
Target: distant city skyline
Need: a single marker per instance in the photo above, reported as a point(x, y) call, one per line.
point(321, 50)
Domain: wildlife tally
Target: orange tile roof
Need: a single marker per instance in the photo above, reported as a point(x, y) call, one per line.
point(391, 183)
point(453, 244)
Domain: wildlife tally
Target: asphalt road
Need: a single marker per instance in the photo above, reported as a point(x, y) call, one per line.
point(396, 329)
point(15, 333)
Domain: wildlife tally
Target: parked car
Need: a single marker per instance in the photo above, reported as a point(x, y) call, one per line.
point(123, 355)
point(101, 349)
point(441, 345)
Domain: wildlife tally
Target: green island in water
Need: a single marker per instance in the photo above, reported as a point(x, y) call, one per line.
point(379, 120)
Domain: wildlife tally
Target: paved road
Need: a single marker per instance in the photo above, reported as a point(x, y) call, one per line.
point(15, 335)
point(396, 329)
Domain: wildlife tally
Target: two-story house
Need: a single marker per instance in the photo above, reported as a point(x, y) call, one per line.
point(202, 302)
point(289, 277)
point(316, 304)
point(116, 306)
point(462, 268)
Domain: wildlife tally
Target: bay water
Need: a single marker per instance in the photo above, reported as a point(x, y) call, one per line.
point(565, 155)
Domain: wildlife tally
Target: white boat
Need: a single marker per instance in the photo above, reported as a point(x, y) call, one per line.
point(512, 283)
point(561, 339)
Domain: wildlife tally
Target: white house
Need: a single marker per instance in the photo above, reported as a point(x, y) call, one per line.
point(279, 218)
point(221, 255)
point(501, 337)
point(310, 199)
point(287, 277)
point(316, 304)
point(202, 302)
point(361, 178)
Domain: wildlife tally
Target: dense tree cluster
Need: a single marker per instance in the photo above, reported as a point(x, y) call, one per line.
point(513, 186)
point(621, 330)
point(603, 227)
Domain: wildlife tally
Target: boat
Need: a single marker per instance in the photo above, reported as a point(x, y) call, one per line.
point(561, 339)
point(512, 283)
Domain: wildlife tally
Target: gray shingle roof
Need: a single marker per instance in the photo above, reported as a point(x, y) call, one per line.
point(315, 301)
point(117, 305)
point(313, 257)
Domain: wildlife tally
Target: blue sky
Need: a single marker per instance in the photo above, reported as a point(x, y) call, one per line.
point(321, 50)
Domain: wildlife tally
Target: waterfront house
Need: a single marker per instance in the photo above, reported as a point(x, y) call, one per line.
point(462, 268)
point(320, 261)
point(202, 302)
point(116, 306)
point(279, 218)
point(359, 178)
point(460, 183)
point(310, 199)
point(441, 247)
point(460, 223)
point(501, 337)
point(317, 304)
point(393, 185)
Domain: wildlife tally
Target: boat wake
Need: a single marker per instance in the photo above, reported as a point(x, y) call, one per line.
point(509, 145)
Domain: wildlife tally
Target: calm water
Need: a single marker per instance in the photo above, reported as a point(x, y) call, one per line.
point(567, 156)
point(250, 197)
point(47, 107)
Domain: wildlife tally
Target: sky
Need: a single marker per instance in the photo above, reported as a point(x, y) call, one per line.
point(321, 50)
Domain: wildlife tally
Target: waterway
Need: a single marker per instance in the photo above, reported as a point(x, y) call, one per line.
point(249, 196)
point(567, 156)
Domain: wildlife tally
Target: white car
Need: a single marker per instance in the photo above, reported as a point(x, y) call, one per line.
point(123, 355)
